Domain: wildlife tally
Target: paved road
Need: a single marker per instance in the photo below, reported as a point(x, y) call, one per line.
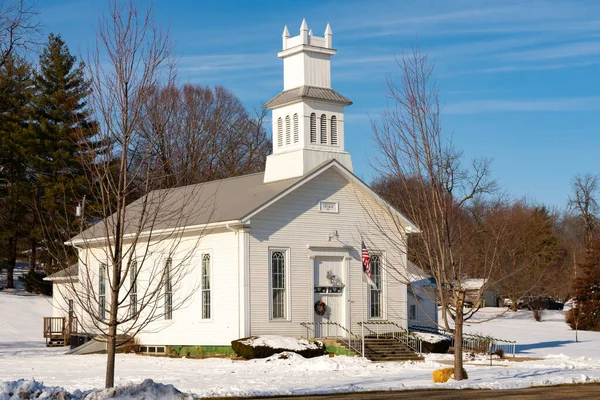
point(578, 392)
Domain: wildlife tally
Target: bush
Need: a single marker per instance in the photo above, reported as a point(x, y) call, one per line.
point(537, 314)
point(249, 352)
point(441, 346)
point(35, 283)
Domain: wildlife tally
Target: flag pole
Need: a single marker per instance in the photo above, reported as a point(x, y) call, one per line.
point(362, 325)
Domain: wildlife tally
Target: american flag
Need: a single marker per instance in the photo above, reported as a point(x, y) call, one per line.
point(366, 261)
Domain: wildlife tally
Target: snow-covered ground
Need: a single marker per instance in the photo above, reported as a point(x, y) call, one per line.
point(23, 355)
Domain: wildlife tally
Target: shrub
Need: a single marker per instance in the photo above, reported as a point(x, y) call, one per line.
point(441, 346)
point(249, 351)
point(537, 314)
point(442, 375)
point(499, 353)
point(35, 283)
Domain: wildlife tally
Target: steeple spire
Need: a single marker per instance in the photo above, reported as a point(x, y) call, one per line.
point(308, 116)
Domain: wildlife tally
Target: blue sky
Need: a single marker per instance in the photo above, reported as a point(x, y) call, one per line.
point(519, 80)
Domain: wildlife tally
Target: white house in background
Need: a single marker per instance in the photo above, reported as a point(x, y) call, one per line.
point(422, 298)
point(478, 293)
point(277, 242)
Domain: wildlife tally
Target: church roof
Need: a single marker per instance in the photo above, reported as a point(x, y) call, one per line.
point(68, 272)
point(195, 205)
point(232, 200)
point(307, 93)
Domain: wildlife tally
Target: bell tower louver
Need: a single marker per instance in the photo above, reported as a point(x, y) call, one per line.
point(308, 116)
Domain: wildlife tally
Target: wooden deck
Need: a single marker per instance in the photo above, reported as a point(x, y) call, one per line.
point(58, 330)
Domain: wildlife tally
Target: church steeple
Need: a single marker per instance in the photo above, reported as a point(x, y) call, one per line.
point(308, 116)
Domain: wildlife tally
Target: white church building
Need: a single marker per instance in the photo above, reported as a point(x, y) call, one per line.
point(278, 243)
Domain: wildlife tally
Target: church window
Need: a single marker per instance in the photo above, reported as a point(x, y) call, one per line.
point(334, 138)
point(376, 294)
point(205, 286)
point(168, 289)
point(102, 292)
point(278, 285)
point(279, 132)
point(295, 128)
point(133, 289)
point(313, 128)
point(323, 129)
point(287, 130)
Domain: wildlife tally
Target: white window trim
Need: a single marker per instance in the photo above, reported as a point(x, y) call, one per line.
point(102, 309)
point(137, 286)
point(383, 291)
point(336, 208)
point(288, 297)
point(210, 272)
point(170, 315)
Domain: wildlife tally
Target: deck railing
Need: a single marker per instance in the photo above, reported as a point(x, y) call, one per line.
point(59, 328)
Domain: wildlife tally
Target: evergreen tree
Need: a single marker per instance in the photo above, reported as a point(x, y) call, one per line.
point(63, 125)
point(586, 312)
point(15, 173)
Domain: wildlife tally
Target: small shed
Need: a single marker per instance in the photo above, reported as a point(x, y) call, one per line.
point(473, 286)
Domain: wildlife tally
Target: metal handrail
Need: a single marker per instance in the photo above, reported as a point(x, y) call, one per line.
point(399, 333)
point(473, 342)
point(354, 342)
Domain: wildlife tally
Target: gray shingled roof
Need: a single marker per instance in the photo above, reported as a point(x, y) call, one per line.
point(217, 201)
point(68, 272)
point(307, 93)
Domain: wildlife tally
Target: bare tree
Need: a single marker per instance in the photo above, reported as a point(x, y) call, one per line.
point(133, 263)
point(19, 28)
point(584, 204)
point(438, 192)
point(201, 134)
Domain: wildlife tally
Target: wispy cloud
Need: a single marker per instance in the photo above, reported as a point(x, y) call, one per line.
point(569, 50)
point(529, 105)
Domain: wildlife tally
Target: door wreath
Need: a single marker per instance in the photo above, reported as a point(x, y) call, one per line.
point(320, 307)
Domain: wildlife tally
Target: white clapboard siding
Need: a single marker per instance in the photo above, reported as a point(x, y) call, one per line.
point(295, 222)
point(187, 327)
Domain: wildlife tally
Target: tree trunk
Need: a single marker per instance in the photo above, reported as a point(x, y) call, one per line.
point(33, 258)
point(458, 336)
point(111, 343)
point(11, 262)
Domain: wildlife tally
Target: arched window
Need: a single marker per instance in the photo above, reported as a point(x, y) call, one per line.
point(376, 294)
point(287, 130)
point(279, 132)
point(334, 140)
point(313, 128)
point(205, 286)
point(278, 296)
point(323, 129)
point(295, 128)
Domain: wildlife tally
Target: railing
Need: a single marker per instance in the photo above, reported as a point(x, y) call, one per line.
point(354, 342)
point(59, 328)
point(472, 342)
point(395, 331)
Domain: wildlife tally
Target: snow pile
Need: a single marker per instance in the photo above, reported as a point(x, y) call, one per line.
point(281, 342)
point(430, 337)
point(31, 389)
point(147, 390)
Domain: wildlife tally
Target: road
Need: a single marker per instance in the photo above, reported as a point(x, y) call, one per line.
point(563, 392)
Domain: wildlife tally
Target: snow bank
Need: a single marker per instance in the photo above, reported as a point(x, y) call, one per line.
point(281, 342)
point(430, 337)
point(147, 390)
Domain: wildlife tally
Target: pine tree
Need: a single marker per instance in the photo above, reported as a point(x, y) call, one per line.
point(63, 123)
point(587, 291)
point(15, 173)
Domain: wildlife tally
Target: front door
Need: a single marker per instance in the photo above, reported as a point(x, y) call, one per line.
point(329, 310)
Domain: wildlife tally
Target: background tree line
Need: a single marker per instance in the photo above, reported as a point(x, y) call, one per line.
point(50, 142)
